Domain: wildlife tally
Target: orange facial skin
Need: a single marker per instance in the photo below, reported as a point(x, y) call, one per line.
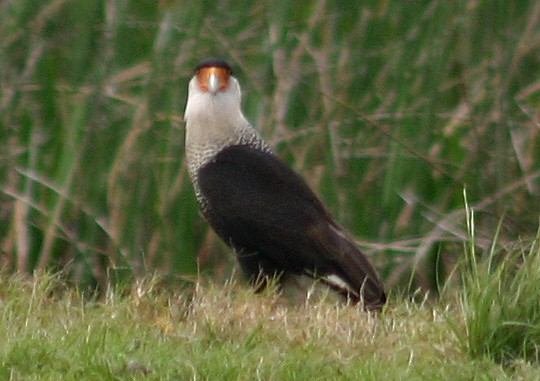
point(213, 79)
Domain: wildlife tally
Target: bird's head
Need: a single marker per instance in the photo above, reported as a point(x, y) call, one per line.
point(213, 91)
point(213, 76)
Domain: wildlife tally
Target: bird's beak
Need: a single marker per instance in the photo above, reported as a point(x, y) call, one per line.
point(213, 79)
point(213, 83)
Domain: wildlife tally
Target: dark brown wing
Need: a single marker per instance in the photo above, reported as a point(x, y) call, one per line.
point(268, 213)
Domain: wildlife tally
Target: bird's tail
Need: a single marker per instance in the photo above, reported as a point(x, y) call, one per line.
point(353, 275)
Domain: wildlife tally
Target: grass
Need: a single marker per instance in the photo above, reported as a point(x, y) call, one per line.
point(207, 332)
point(501, 309)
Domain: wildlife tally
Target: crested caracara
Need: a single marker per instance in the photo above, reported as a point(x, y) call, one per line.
point(257, 204)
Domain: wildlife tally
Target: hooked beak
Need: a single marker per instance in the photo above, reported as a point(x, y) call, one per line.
point(213, 83)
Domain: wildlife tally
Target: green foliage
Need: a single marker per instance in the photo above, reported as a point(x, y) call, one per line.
point(501, 308)
point(386, 108)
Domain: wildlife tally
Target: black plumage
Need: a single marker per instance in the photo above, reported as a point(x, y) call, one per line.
point(263, 209)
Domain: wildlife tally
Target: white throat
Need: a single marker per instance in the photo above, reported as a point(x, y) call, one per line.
point(213, 122)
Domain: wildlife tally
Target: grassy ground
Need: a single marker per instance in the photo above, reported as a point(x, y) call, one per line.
point(51, 332)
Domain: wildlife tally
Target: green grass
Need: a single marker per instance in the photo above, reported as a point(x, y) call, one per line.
point(501, 308)
point(52, 331)
point(387, 109)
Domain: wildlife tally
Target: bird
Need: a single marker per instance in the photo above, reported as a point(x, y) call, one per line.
point(258, 205)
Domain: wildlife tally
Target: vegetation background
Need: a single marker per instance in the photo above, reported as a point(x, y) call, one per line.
point(388, 109)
